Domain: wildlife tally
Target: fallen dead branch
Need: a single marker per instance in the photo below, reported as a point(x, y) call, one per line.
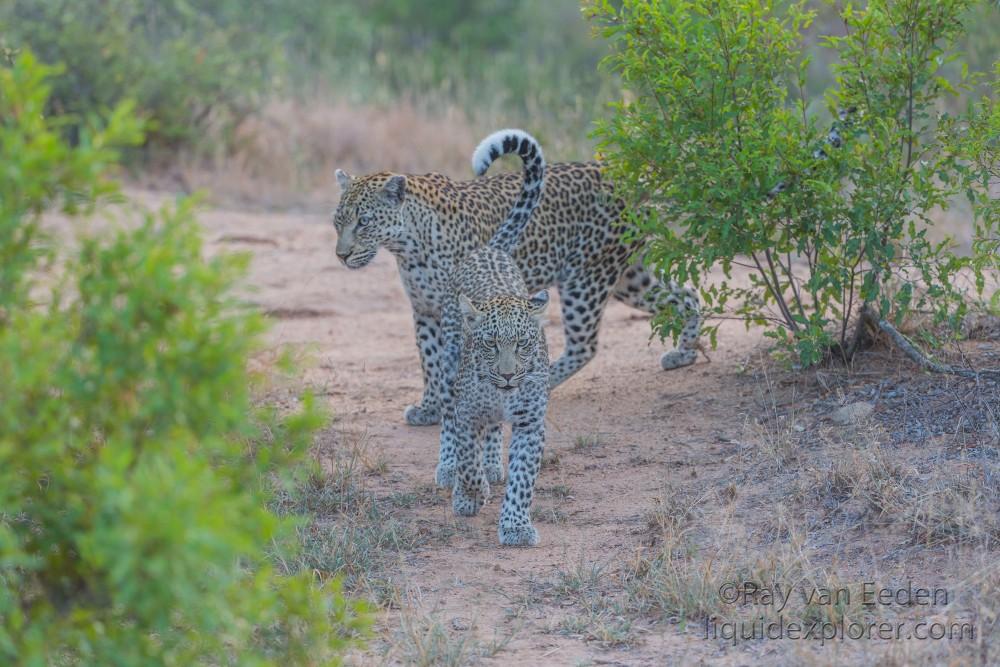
point(917, 356)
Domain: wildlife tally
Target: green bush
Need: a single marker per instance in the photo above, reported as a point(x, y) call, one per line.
point(740, 168)
point(187, 64)
point(978, 145)
point(133, 520)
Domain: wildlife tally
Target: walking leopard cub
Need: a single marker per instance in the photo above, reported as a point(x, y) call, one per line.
point(503, 364)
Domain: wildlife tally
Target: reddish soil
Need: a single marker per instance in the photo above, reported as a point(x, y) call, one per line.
point(619, 433)
point(640, 428)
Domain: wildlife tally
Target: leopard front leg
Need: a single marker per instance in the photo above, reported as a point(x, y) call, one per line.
point(527, 442)
point(444, 474)
point(435, 363)
point(493, 453)
point(471, 489)
point(583, 294)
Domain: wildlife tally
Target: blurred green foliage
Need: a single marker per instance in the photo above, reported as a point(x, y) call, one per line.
point(978, 146)
point(133, 483)
point(196, 67)
point(505, 62)
point(186, 64)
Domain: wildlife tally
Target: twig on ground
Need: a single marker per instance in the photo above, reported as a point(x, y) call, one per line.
point(918, 357)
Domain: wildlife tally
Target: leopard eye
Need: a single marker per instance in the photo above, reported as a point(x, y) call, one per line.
point(364, 220)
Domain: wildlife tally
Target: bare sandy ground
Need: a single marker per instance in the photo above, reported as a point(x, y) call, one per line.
point(619, 434)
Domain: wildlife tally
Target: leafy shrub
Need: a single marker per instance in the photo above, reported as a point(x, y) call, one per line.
point(40, 171)
point(133, 525)
point(741, 168)
point(186, 64)
point(978, 144)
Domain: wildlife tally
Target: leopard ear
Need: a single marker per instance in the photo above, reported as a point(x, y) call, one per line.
point(343, 178)
point(470, 314)
point(539, 302)
point(394, 190)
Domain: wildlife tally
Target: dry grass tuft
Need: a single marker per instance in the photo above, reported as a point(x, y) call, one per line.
point(590, 441)
point(348, 532)
point(962, 508)
point(607, 625)
point(775, 431)
point(423, 639)
point(861, 480)
point(672, 516)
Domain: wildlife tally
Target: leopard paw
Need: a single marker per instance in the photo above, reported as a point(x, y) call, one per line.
point(518, 536)
point(494, 472)
point(677, 359)
point(466, 504)
point(416, 415)
point(444, 475)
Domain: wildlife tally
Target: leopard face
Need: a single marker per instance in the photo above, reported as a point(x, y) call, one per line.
point(503, 336)
point(370, 214)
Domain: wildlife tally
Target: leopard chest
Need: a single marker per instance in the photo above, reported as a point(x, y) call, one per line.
point(426, 282)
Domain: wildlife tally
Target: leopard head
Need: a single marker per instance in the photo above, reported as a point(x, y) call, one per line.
point(369, 215)
point(503, 335)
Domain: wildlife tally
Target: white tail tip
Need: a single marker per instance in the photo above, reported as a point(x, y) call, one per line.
point(492, 147)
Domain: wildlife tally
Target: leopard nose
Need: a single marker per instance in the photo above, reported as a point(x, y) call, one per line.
point(507, 376)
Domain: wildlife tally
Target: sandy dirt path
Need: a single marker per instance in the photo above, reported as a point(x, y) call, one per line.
point(618, 433)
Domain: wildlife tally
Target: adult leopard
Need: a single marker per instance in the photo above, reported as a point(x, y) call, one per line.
point(430, 223)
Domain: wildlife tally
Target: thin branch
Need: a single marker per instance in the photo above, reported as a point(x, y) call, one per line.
point(773, 290)
point(779, 294)
point(791, 281)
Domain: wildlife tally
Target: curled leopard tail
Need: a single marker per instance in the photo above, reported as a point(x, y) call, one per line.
point(527, 147)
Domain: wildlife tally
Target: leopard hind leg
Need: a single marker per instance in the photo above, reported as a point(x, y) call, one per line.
point(640, 288)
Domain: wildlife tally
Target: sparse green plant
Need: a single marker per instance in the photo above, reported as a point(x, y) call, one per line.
point(347, 533)
point(588, 441)
point(581, 580)
point(404, 499)
point(601, 622)
point(424, 640)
